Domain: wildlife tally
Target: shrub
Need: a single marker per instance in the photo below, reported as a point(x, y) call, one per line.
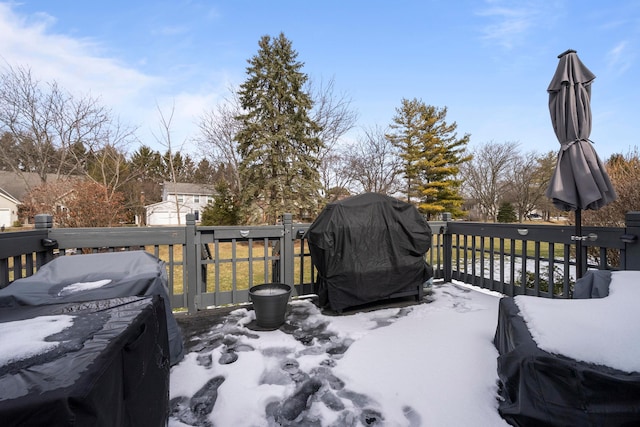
point(506, 213)
point(543, 281)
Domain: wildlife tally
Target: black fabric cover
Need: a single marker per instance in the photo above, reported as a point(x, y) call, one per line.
point(131, 273)
point(111, 368)
point(543, 389)
point(594, 284)
point(367, 248)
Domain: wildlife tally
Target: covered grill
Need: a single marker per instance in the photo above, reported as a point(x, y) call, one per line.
point(368, 248)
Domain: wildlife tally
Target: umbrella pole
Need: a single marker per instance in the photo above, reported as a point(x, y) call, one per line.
point(578, 238)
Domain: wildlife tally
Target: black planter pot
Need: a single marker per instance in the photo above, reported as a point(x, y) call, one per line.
point(270, 303)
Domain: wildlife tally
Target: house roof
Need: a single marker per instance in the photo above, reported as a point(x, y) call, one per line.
point(162, 204)
point(187, 188)
point(18, 185)
point(9, 197)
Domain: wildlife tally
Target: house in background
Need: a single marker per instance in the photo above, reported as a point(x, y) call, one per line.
point(16, 187)
point(13, 189)
point(178, 200)
point(8, 209)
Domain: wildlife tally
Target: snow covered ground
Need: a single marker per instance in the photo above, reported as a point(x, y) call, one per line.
point(430, 364)
point(424, 365)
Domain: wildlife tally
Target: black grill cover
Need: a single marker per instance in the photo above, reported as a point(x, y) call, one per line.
point(538, 388)
point(367, 248)
point(111, 367)
point(130, 273)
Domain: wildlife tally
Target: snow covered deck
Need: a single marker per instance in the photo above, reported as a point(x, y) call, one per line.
point(414, 364)
point(432, 363)
point(402, 364)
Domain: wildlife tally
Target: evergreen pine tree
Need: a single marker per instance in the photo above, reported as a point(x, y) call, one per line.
point(431, 153)
point(506, 213)
point(279, 166)
point(223, 210)
point(148, 164)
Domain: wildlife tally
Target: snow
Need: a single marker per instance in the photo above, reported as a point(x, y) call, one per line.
point(590, 330)
point(421, 365)
point(431, 361)
point(22, 339)
point(83, 286)
point(270, 291)
point(426, 364)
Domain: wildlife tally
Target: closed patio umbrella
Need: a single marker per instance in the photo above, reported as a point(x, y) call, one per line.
point(580, 180)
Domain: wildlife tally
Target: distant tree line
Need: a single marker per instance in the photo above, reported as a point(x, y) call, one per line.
point(275, 145)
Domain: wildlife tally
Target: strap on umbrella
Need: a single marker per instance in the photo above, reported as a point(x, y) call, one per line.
point(567, 52)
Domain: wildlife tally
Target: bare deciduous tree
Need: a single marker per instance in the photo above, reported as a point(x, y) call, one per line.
point(336, 174)
point(374, 163)
point(624, 172)
point(51, 131)
point(46, 198)
point(528, 177)
point(218, 128)
point(48, 131)
point(164, 138)
point(109, 167)
point(485, 176)
point(76, 203)
point(333, 113)
point(91, 204)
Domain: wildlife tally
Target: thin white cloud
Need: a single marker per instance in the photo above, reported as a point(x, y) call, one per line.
point(619, 58)
point(213, 14)
point(613, 24)
point(171, 30)
point(509, 24)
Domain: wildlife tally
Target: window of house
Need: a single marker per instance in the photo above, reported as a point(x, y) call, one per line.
point(181, 198)
point(196, 198)
point(209, 199)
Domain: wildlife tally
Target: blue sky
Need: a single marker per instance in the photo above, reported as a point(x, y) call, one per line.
point(489, 62)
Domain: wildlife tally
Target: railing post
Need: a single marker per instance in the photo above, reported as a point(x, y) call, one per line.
point(286, 251)
point(447, 249)
point(45, 222)
point(632, 241)
point(191, 263)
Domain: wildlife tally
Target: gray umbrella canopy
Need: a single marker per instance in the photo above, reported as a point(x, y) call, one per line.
point(580, 180)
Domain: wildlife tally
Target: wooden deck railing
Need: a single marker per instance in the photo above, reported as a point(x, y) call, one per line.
point(213, 266)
